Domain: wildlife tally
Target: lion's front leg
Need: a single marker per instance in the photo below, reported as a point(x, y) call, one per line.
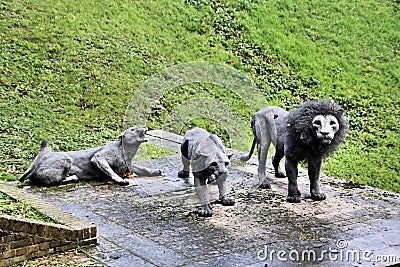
point(223, 191)
point(291, 173)
point(142, 171)
point(314, 170)
point(104, 167)
point(184, 173)
point(202, 192)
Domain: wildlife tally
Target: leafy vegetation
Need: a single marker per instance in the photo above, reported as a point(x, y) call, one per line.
point(19, 209)
point(68, 70)
point(72, 258)
point(151, 151)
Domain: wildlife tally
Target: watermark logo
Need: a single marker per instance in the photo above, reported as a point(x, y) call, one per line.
point(212, 107)
point(341, 244)
point(339, 253)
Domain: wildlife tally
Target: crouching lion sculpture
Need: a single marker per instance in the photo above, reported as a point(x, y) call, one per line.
point(310, 132)
point(109, 161)
point(209, 160)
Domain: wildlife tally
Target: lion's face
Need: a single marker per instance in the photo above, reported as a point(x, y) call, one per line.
point(136, 134)
point(219, 165)
point(211, 159)
point(325, 127)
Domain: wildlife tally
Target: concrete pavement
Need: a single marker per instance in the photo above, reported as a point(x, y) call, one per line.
point(152, 222)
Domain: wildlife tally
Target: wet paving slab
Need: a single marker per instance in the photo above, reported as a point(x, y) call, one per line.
point(153, 221)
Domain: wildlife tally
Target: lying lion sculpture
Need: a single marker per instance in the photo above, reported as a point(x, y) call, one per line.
point(209, 162)
point(109, 161)
point(310, 132)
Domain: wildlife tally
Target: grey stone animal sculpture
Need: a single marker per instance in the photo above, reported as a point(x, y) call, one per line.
point(104, 162)
point(209, 162)
point(310, 132)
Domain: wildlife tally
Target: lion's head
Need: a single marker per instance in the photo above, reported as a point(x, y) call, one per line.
point(133, 135)
point(325, 128)
point(320, 125)
point(211, 157)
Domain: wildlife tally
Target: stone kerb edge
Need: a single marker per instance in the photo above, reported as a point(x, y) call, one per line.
point(48, 230)
point(71, 231)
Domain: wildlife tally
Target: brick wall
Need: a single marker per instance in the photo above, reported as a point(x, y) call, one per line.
point(17, 247)
point(22, 239)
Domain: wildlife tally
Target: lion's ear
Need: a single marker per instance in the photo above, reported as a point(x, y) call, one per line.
point(338, 110)
point(120, 138)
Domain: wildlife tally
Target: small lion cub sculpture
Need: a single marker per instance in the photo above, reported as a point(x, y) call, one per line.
point(109, 161)
point(209, 160)
point(310, 132)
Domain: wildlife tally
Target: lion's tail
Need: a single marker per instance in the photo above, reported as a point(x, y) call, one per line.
point(246, 158)
point(29, 172)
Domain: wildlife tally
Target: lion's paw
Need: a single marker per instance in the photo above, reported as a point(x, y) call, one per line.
point(265, 185)
point(205, 211)
point(280, 175)
point(318, 197)
point(183, 174)
point(293, 199)
point(122, 182)
point(227, 201)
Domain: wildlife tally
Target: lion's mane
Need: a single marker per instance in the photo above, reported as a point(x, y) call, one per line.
point(300, 141)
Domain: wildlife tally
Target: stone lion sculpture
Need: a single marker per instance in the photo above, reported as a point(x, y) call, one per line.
point(310, 132)
point(209, 161)
point(109, 161)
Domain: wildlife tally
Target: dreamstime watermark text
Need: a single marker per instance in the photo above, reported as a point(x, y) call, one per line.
point(338, 253)
point(198, 76)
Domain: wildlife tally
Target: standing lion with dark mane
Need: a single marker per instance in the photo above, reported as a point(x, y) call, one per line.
point(310, 132)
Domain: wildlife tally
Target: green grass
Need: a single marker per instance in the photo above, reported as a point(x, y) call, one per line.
point(9, 206)
point(68, 70)
point(151, 151)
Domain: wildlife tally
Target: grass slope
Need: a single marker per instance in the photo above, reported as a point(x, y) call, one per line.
point(68, 70)
point(9, 206)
